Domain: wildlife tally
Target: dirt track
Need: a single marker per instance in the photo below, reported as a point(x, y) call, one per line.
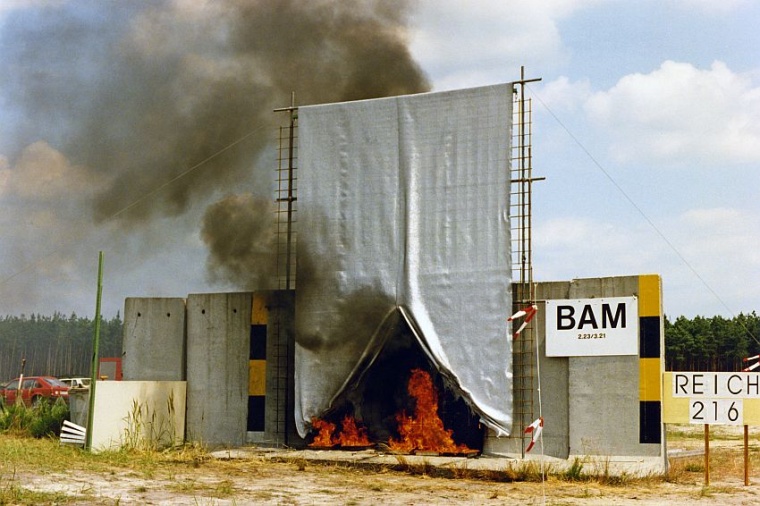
point(36, 472)
point(300, 482)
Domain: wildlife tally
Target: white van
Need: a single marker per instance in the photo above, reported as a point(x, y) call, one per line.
point(76, 382)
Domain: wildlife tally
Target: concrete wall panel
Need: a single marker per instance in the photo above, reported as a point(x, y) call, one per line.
point(595, 405)
point(276, 312)
point(605, 390)
point(153, 342)
point(555, 394)
point(218, 340)
point(555, 381)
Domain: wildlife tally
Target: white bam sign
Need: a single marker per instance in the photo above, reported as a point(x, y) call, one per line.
point(592, 327)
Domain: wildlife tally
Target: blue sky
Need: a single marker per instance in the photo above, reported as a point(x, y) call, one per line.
point(646, 126)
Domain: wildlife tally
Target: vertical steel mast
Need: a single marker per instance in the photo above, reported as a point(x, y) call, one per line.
point(286, 198)
point(524, 348)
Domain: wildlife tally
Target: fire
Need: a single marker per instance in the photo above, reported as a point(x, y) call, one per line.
point(424, 430)
point(325, 435)
point(350, 435)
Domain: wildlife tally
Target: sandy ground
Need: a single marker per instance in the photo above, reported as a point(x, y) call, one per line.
point(300, 481)
point(285, 484)
point(280, 477)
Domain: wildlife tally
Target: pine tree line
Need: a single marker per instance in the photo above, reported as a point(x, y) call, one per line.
point(54, 345)
point(711, 344)
point(62, 346)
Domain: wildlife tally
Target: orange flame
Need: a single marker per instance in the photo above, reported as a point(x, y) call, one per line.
point(325, 435)
point(351, 434)
point(424, 431)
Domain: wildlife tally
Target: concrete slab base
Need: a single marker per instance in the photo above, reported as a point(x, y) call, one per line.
point(455, 466)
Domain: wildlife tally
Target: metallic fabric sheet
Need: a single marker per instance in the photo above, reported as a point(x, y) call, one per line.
point(403, 210)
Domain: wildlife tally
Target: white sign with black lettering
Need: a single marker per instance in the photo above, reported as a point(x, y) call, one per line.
point(716, 385)
point(716, 397)
point(716, 411)
point(592, 327)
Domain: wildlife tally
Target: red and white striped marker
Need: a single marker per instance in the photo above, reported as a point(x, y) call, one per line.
point(529, 312)
point(753, 366)
point(535, 430)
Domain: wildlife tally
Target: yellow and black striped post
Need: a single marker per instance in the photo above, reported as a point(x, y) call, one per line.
point(257, 364)
point(650, 358)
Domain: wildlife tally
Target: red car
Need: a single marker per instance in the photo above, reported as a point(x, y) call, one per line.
point(34, 389)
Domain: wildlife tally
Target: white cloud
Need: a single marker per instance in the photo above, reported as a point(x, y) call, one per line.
point(562, 232)
point(720, 218)
point(562, 94)
point(710, 6)
point(9, 5)
point(42, 173)
point(44, 213)
point(725, 253)
point(679, 113)
point(712, 250)
point(475, 43)
point(574, 247)
point(720, 239)
point(5, 174)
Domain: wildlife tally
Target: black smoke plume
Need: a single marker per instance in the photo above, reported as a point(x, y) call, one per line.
point(241, 237)
point(165, 105)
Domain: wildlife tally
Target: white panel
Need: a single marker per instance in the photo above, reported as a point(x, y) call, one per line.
point(404, 207)
point(592, 327)
point(137, 413)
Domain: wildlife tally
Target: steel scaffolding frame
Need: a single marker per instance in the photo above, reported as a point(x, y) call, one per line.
point(524, 346)
point(286, 197)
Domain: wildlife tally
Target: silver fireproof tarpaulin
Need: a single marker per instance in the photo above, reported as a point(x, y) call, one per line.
point(403, 213)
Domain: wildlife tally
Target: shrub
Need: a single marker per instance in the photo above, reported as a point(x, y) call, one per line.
point(44, 419)
point(575, 471)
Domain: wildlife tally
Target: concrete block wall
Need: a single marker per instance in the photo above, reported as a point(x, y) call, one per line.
point(236, 351)
point(271, 399)
point(153, 341)
point(218, 345)
point(603, 406)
